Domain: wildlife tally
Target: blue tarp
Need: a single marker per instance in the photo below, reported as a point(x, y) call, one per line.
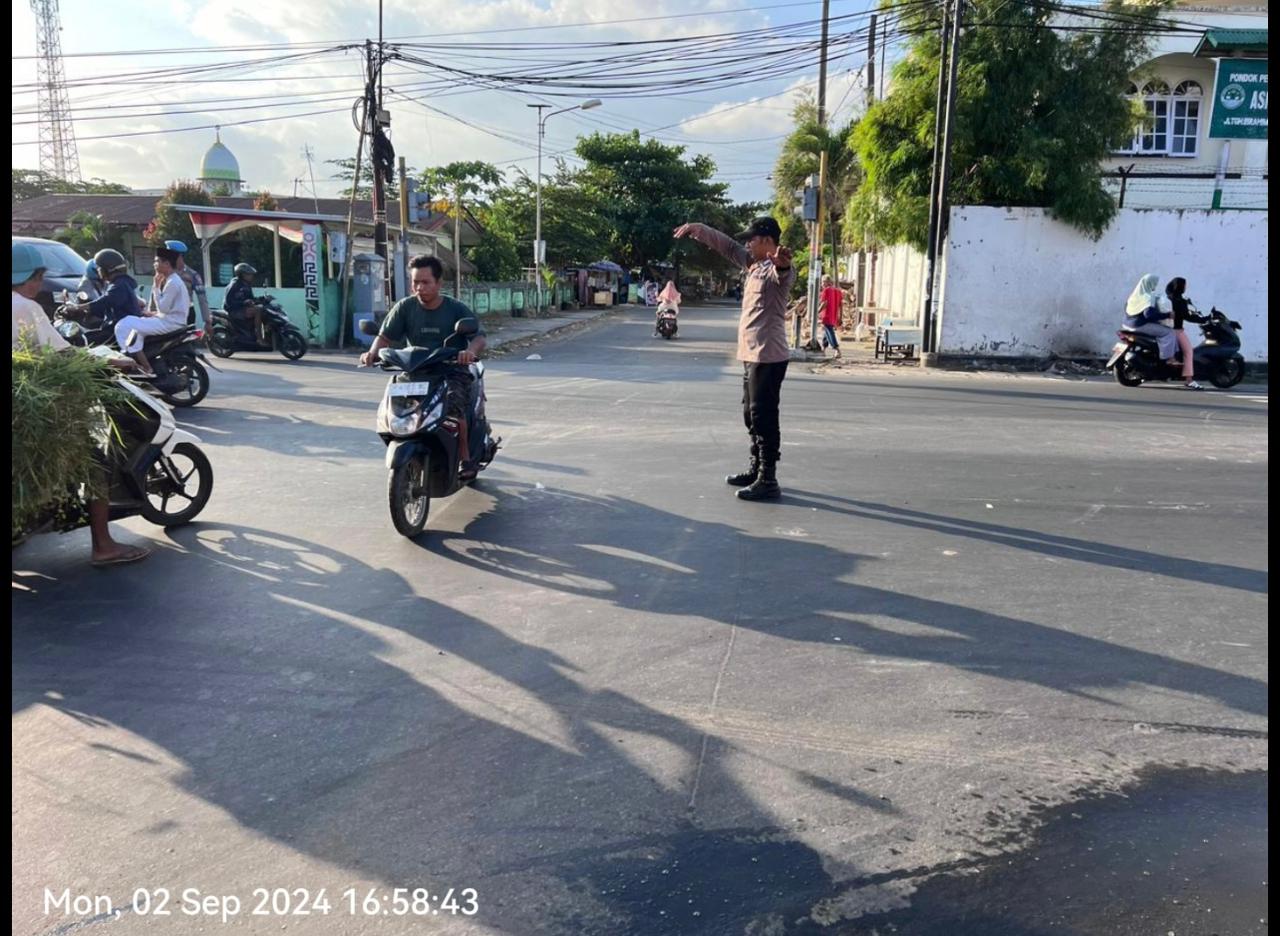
point(606, 266)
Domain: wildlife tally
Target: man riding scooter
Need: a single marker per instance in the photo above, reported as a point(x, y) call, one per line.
point(240, 303)
point(424, 320)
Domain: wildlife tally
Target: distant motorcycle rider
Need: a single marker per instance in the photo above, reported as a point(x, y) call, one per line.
point(241, 303)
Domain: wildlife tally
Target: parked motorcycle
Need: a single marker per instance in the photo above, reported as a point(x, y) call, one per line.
point(667, 324)
point(177, 358)
point(421, 438)
point(228, 334)
point(156, 470)
point(1136, 357)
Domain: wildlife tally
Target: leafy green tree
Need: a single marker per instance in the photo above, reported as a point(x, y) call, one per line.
point(645, 190)
point(86, 233)
point(30, 183)
point(1037, 111)
point(346, 171)
point(573, 224)
point(172, 224)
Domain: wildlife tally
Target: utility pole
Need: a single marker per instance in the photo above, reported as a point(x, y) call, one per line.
point(309, 156)
point(864, 299)
point(349, 243)
point(815, 236)
point(538, 248)
point(380, 120)
point(402, 249)
point(931, 255)
point(457, 241)
point(944, 185)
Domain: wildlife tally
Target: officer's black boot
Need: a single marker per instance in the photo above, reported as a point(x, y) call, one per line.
point(765, 486)
point(753, 469)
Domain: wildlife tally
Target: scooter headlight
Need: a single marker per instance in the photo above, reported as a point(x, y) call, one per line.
point(415, 419)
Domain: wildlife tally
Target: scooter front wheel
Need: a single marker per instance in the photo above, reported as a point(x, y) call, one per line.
point(292, 345)
point(1229, 374)
point(178, 486)
point(407, 497)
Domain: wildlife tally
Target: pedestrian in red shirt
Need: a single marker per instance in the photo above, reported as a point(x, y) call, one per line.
point(830, 306)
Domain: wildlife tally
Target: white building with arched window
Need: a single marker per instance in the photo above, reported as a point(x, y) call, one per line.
point(1171, 161)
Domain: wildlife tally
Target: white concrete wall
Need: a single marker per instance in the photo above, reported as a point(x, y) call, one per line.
point(899, 285)
point(1019, 284)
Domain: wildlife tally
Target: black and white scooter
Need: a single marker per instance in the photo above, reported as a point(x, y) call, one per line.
point(421, 437)
point(156, 470)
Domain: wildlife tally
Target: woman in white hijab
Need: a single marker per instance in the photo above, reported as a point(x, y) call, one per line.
point(1144, 315)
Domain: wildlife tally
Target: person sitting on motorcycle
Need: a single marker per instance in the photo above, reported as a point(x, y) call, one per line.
point(241, 304)
point(194, 283)
point(1183, 311)
point(425, 320)
point(668, 299)
point(165, 313)
point(1144, 316)
point(30, 324)
point(91, 284)
point(120, 298)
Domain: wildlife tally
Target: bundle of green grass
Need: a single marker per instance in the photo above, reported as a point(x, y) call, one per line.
point(60, 403)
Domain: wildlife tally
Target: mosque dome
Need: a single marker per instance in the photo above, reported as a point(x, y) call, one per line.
point(220, 166)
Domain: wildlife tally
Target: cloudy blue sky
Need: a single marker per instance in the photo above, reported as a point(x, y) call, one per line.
point(498, 126)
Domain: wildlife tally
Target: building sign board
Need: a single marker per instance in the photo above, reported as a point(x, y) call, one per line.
point(1239, 100)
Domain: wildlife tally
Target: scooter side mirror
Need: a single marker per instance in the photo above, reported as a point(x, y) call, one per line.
point(367, 327)
point(466, 327)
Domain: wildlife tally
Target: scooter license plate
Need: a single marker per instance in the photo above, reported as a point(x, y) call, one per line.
point(1116, 353)
point(415, 388)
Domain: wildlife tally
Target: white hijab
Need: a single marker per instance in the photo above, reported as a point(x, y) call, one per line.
point(1144, 295)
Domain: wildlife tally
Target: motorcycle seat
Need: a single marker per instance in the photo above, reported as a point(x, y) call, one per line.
point(156, 342)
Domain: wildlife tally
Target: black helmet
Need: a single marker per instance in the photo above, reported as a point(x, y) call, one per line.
point(110, 262)
point(243, 269)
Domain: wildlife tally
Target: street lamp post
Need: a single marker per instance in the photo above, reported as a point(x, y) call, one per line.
point(537, 234)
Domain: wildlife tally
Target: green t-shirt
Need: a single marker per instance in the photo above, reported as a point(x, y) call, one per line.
point(411, 323)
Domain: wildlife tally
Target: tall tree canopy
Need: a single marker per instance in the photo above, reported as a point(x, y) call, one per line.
point(1037, 111)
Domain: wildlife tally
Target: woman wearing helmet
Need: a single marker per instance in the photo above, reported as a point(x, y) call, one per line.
point(91, 284)
point(240, 303)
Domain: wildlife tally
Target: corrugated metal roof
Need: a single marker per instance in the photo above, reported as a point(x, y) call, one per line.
point(1216, 43)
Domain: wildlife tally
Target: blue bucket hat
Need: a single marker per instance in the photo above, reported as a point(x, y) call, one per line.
point(26, 260)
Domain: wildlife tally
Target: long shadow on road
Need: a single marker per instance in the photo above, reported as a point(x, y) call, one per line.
point(605, 548)
point(327, 705)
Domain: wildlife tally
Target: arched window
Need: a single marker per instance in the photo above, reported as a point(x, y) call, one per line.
point(1185, 137)
point(1172, 118)
point(1154, 137)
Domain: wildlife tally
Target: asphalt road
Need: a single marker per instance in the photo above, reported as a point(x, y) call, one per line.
point(610, 698)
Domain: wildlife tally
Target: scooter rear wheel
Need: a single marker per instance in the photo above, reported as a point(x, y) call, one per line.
point(220, 342)
point(197, 385)
point(1126, 374)
point(407, 497)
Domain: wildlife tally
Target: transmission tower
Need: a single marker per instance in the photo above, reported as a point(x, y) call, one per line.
point(58, 155)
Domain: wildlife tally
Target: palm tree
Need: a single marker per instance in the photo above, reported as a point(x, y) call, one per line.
point(86, 233)
point(801, 157)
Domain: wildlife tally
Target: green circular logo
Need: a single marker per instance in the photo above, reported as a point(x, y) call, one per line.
point(1232, 96)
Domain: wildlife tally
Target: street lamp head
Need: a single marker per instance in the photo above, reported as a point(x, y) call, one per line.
point(587, 105)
